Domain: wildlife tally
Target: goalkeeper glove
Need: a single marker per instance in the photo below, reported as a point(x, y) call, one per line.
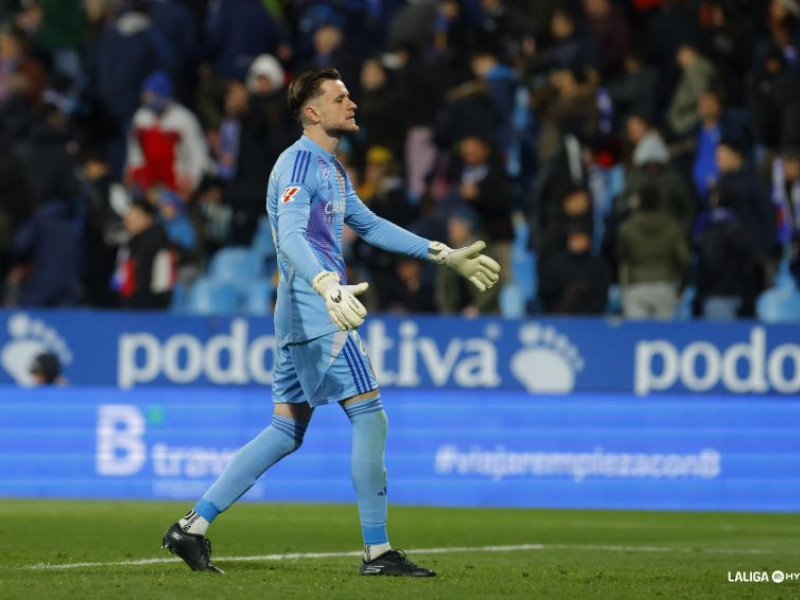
point(343, 307)
point(479, 269)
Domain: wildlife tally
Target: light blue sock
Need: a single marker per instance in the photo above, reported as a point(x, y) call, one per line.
point(281, 438)
point(367, 467)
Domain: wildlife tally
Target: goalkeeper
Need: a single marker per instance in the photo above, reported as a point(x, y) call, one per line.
point(320, 358)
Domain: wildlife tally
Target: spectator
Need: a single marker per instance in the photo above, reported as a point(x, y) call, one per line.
point(634, 92)
point(46, 370)
point(567, 107)
point(571, 209)
point(697, 75)
point(637, 126)
point(255, 130)
point(330, 50)
point(541, 13)
point(104, 201)
point(768, 100)
point(574, 281)
point(381, 109)
point(611, 32)
point(165, 144)
point(653, 256)
point(466, 109)
point(786, 196)
point(728, 28)
point(407, 290)
point(175, 218)
point(63, 34)
point(570, 46)
point(440, 31)
point(176, 223)
point(17, 69)
point(419, 110)
point(652, 168)
point(237, 31)
point(661, 32)
point(126, 53)
point(16, 202)
point(177, 34)
point(502, 84)
point(452, 298)
point(482, 185)
point(739, 191)
point(704, 171)
point(383, 190)
point(48, 257)
point(47, 157)
point(145, 266)
point(266, 84)
point(783, 31)
point(507, 27)
point(728, 275)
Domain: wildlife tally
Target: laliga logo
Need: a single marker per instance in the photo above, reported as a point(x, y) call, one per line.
point(762, 370)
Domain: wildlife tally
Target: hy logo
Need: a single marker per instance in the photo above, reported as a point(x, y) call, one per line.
point(547, 363)
point(29, 338)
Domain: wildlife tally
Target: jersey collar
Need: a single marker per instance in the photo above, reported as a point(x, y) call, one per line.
point(314, 147)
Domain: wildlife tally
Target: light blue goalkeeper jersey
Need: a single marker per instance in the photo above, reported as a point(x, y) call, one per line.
point(309, 199)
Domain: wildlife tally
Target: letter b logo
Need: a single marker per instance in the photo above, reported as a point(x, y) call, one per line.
point(120, 447)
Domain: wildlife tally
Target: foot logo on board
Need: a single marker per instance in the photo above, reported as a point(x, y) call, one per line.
point(29, 338)
point(548, 362)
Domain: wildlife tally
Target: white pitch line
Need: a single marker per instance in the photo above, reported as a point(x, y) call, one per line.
point(454, 549)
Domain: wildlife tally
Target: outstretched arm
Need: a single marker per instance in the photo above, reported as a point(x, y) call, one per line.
point(382, 233)
point(479, 269)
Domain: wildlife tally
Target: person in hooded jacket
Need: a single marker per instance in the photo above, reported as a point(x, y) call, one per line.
point(652, 167)
point(166, 145)
point(653, 255)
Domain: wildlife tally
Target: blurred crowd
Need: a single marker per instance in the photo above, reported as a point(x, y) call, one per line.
point(613, 154)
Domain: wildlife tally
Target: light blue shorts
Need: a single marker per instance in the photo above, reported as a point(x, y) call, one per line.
point(327, 369)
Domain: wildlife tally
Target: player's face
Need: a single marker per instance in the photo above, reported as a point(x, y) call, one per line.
point(335, 110)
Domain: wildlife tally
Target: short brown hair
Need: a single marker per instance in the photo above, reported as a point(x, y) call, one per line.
point(306, 86)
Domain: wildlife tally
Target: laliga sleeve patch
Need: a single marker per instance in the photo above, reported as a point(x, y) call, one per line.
point(289, 194)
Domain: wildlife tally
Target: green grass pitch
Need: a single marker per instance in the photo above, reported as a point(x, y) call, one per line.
point(568, 555)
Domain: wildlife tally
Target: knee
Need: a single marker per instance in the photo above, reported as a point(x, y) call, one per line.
point(374, 424)
point(294, 432)
point(368, 411)
point(291, 444)
point(382, 421)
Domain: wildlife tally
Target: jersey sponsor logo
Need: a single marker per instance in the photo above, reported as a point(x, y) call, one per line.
point(335, 206)
point(288, 194)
